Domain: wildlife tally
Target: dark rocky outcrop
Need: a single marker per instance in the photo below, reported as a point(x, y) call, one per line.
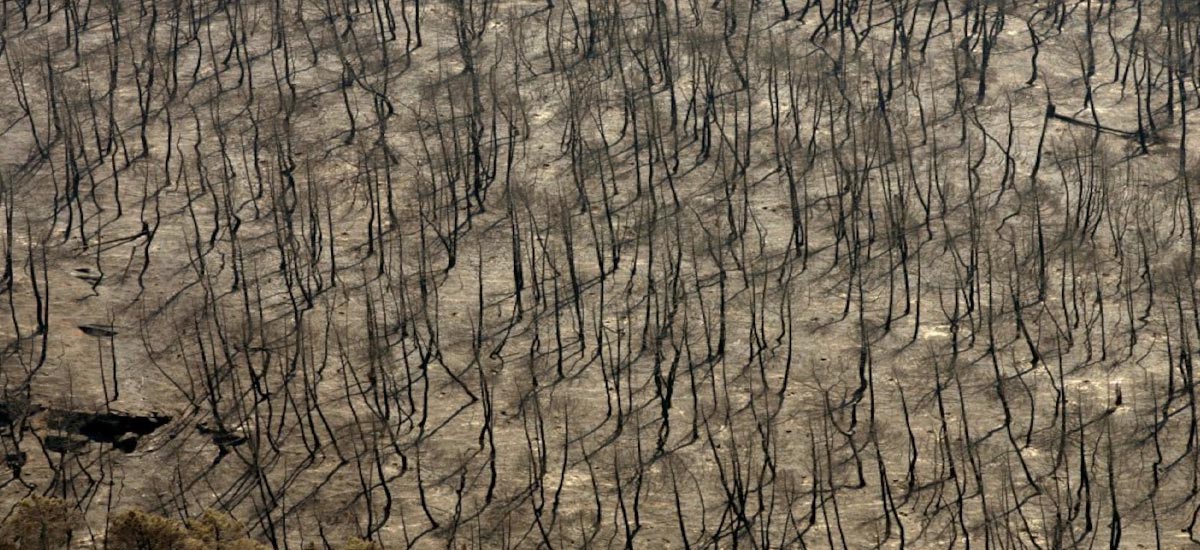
point(99, 331)
point(122, 430)
point(63, 444)
point(78, 428)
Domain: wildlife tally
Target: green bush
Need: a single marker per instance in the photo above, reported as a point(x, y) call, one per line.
point(217, 531)
point(39, 523)
point(137, 530)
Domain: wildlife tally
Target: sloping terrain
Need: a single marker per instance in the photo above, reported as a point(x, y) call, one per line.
point(603, 273)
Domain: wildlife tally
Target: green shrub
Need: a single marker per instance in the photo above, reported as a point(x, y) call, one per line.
point(218, 531)
point(137, 530)
point(39, 523)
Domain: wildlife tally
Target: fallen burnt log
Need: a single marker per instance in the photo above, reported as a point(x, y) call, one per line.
point(1052, 113)
point(224, 439)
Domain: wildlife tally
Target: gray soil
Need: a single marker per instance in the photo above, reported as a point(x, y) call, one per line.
point(605, 273)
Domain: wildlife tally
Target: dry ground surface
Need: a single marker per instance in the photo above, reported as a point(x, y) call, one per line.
point(604, 273)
